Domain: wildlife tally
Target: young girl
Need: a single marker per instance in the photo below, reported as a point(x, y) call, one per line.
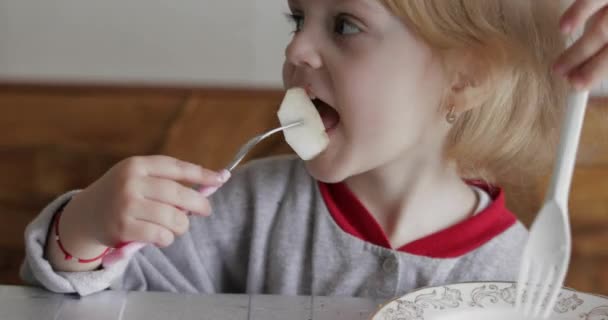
point(427, 103)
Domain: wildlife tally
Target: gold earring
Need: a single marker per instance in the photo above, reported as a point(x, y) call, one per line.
point(451, 116)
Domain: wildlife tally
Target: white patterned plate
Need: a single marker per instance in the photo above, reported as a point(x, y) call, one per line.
point(485, 300)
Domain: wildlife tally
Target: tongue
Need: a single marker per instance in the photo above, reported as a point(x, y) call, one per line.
point(328, 114)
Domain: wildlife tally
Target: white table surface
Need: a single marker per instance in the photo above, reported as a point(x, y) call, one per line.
point(21, 303)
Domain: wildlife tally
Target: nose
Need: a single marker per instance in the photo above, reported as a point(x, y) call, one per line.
point(303, 51)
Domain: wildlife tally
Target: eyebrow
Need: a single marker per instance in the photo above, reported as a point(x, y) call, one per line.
point(365, 5)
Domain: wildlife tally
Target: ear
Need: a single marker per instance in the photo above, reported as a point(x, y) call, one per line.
point(467, 77)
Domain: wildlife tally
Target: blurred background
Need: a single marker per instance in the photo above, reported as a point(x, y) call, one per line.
point(84, 84)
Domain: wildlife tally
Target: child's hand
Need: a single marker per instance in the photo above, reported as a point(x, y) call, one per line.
point(585, 63)
point(140, 199)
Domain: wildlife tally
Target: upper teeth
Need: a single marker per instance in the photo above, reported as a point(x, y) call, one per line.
point(309, 92)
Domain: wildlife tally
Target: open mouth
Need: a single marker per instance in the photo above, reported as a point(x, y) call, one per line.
point(329, 115)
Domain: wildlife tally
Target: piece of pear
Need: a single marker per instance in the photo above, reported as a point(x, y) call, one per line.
point(309, 139)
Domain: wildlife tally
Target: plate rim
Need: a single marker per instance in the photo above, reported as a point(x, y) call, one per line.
point(471, 282)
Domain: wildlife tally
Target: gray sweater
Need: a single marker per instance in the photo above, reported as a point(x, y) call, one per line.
point(271, 233)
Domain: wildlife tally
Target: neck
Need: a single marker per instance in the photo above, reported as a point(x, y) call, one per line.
point(414, 200)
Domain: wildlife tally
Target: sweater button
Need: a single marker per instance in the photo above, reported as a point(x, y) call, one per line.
point(390, 264)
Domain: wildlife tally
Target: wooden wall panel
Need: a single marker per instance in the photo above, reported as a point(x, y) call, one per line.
point(589, 198)
point(81, 119)
point(213, 125)
point(594, 139)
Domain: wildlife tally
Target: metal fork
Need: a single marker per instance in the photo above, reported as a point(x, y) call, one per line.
point(547, 253)
point(243, 151)
point(240, 155)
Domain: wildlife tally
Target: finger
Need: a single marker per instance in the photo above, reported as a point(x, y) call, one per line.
point(207, 191)
point(579, 13)
point(178, 170)
point(592, 72)
point(590, 43)
point(164, 216)
point(142, 231)
point(174, 194)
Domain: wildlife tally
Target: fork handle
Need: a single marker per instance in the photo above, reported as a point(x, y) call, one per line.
point(206, 191)
point(567, 149)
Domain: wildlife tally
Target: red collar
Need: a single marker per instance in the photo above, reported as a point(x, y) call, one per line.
point(462, 238)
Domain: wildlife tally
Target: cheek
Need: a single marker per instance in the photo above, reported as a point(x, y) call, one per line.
point(378, 92)
point(388, 100)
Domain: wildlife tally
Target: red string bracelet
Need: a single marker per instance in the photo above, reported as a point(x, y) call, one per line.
point(67, 255)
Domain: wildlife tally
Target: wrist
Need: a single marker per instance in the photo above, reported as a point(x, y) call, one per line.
point(73, 243)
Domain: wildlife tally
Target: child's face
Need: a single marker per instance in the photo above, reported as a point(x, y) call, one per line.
point(382, 83)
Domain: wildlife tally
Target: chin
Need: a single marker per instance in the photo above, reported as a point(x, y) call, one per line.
point(326, 170)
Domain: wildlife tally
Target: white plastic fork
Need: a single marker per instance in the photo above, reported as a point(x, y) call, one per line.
point(547, 253)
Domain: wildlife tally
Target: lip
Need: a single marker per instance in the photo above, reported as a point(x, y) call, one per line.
point(329, 115)
point(313, 96)
point(330, 131)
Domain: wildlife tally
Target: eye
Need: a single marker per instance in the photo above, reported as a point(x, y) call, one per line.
point(344, 27)
point(297, 20)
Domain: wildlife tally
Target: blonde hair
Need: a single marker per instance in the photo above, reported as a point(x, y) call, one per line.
point(511, 131)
